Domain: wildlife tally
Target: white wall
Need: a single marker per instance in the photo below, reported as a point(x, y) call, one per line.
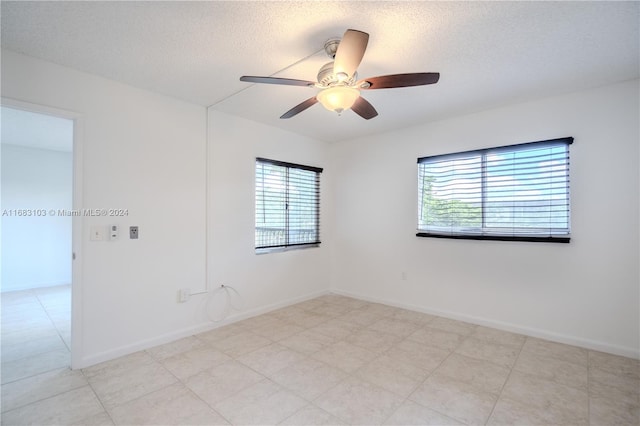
point(36, 250)
point(275, 277)
point(147, 153)
point(585, 292)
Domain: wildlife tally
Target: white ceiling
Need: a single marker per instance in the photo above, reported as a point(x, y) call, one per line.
point(488, 53)
point(33, 130)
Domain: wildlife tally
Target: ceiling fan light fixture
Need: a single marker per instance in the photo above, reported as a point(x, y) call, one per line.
point(338, 98)
point(337, 81)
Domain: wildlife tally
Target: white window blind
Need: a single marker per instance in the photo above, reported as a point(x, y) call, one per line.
point(287, 204)
point(517, 192)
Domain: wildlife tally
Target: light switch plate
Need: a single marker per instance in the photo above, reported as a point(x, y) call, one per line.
point(97, 233)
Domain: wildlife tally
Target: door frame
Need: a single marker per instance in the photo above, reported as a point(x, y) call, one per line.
point(77, 222)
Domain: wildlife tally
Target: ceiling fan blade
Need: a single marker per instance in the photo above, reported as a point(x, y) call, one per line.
point(275, 80)
point(399, 80)
point(350, 52)
point(300, 107)
point(364, 109)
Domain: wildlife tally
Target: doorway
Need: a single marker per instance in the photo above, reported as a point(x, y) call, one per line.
point(38, 236)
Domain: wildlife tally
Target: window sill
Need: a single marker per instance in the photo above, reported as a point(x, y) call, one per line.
point(267, 250)
point(498, 238)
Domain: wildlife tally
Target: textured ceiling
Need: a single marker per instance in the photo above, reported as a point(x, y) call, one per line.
point(488, 53)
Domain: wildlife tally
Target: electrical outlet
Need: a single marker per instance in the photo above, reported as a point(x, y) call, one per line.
point(184, 294)
point(113, 232)
point(133, 232)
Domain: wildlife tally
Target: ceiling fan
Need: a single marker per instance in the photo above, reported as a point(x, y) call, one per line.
point(338, 80)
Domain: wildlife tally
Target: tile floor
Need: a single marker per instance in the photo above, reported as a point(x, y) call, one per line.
point(334, 360)
point(36, 332)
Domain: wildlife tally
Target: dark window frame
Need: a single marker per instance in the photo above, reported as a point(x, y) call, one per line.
point(288, 244)
point(484, 233)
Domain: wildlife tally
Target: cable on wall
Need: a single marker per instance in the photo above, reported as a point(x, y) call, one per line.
point(206, 207)
point(227, 289)
point(228, 302)
point(270, 75)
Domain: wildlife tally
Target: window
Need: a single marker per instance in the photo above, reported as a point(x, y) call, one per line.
point(287, 205)
point(517, 192)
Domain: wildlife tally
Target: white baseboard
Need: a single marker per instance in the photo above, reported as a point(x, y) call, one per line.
point(92, 359)
point(500, 325)
point(34, 286)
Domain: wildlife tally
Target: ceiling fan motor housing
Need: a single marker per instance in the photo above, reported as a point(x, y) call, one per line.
point(331, 47)
point(327, 78)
